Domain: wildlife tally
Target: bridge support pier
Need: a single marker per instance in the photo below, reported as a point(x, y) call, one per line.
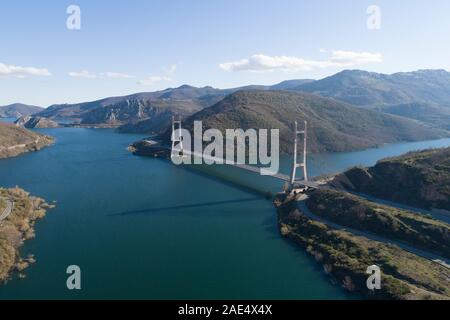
point(177, 139)
point(296, 164)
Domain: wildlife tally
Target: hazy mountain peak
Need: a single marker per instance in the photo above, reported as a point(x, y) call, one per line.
point(17, 110)
point(186, 86)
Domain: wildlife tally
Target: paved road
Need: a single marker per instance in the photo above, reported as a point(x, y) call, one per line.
point(424, 254)
point(7, 211)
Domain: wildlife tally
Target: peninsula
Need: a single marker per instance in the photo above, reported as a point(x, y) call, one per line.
point(15, 140)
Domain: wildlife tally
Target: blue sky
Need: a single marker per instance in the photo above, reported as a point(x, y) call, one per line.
point(131, 46)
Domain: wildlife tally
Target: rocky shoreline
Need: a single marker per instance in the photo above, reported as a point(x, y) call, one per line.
point(149, 148)
point(16, 150)
point(345, 258)
point(17, 228)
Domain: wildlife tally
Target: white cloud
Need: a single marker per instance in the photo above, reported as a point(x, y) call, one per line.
point(172, 69)
point(82, 74)
point(150, 81)
point(22, 72)
point(118, 75)
point(113, 75)
point(346, 58)
point(261, 62)
point(153, 80)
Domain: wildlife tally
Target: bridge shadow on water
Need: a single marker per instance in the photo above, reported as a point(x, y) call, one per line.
point(182, 207)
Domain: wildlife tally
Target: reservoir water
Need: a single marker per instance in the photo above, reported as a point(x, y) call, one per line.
point(144, 228)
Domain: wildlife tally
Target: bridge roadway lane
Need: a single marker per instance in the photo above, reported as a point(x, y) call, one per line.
point(254, 169)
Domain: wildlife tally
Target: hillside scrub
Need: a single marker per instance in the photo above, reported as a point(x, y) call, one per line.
point(416, 230)
point(420, 179)
point(333, 126)
point(345, 258)
point(17, 228)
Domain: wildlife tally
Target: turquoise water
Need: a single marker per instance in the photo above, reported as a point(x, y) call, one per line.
point(143, 228)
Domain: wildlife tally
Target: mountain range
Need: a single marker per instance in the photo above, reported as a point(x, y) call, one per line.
point(422, 95)
point(351, 108)
point(149, 111)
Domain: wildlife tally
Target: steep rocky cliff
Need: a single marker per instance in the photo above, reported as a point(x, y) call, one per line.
point(32, 122)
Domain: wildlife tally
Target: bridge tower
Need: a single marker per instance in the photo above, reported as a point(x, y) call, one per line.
point(302, 164)
point(177, 139)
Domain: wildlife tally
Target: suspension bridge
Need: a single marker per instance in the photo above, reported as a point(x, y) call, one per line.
point(177, 146)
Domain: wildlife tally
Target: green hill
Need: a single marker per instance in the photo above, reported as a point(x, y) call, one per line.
point(419, 179)
point(333, 125)
point(422, 111)
point(419, 231)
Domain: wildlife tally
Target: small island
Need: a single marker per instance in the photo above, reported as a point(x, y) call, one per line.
point(19, 212)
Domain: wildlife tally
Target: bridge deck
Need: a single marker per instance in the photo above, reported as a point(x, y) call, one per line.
point(254, 169)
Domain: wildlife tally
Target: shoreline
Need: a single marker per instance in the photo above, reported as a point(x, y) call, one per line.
point(345, 257)
point(17, 150)
point(16, 229)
